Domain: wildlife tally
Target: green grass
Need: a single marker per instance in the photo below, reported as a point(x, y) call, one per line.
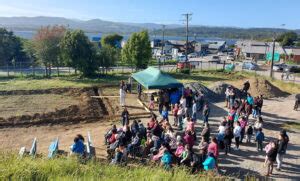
point(34, 83)
point(64, 168)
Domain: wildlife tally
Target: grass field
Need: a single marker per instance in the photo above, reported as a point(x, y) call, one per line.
point(64, 168)
point(205, 77)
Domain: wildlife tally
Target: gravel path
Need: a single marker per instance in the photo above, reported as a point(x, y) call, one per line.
point(247, 161)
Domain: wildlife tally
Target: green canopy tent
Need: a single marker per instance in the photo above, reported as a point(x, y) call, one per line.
point(152, 78)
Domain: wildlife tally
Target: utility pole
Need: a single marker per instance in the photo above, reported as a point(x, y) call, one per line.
point(162, 45)
point(272, 61)
point(187, 20)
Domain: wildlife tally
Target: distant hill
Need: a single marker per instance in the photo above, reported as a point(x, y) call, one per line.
point(101, 26)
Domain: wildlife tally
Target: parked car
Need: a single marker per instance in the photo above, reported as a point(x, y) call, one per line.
point(230, 58)
point(292, 69)
point(215, 59)
point(192, 55)
point(249, 66)
point(279, 67)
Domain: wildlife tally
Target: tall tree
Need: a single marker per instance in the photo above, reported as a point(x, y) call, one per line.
point(107, 56)
point(47, 47)
point(137, 50)
point(77, 52)
point(10, 48)
point(113, 40)
point(288, 39)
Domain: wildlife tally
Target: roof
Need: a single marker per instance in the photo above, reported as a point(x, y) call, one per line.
point(257, 47)
point(216, 44)
point(152, 78)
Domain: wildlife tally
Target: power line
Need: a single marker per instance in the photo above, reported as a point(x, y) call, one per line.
point(187, 19)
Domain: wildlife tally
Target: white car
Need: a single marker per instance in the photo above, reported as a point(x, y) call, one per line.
point(230, 58)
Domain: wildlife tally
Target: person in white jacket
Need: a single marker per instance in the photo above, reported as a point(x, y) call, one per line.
point(237, 134)
point(122, 97)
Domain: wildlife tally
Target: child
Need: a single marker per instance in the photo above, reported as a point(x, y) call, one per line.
point(249, 134)
point(260, 137)
point(267, 149)
point(165, 114)
point(210, 162)
point(175, 114)
point(151, 103)
point(271, 157)
point(180, 114)
point(166, 159)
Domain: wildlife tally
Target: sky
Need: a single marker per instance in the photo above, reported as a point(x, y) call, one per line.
point(233, 13)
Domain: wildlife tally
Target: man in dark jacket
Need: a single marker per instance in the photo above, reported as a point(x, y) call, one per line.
point(206, 132)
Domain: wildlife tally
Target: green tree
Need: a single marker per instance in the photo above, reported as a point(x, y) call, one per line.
point(47, 47)
point(11, 48)
point(107, 56)
point(77, 52)
point(137, 50)
point(288, 39)
point(113, 40)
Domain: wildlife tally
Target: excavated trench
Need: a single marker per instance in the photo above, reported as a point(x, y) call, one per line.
point(88, 110)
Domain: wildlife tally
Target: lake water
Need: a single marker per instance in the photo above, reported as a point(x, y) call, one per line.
point(30, 35)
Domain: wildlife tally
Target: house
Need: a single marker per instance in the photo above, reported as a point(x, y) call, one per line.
point(216, 46)
point(181, 45)
point(200, 47)
point(256, 50)
point(293, 53)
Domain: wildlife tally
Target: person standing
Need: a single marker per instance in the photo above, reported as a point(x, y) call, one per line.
point(194, 111)
point(282, 142)
point(122, 96)
point(206, 112)
point(125, 117)
point(228, 139)
point(271, 157)
point(260, 137)
point(139, 90)
point(237, 135)
point(206, 132)
point(227, 93)
point(246, 87)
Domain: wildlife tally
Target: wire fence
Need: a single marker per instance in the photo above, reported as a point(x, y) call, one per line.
point(26, 69)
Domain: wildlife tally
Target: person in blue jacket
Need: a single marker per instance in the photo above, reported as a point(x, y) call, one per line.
point(166, 159)
point(210, 162)
point(78, 146)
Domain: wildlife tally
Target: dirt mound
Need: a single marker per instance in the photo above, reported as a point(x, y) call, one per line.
point(88, 110)
point(208, 94)
point(259, 86)
point(219, 89)
point(70, 91)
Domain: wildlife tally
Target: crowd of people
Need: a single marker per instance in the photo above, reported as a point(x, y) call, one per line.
point(173, 142)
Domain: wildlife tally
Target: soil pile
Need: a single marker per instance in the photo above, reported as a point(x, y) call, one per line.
point(219, 89)
point(88, 110)
point(259, 86)
point(209, 95)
